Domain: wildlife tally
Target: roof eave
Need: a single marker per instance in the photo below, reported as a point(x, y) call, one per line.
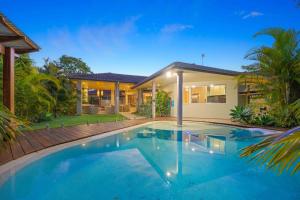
point(175, 66)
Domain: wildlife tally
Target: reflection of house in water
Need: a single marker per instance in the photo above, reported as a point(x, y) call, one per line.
point(179, 157)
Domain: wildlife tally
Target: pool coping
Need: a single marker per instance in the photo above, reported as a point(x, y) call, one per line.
point(10, 168)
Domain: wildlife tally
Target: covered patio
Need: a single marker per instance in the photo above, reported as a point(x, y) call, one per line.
point(106, 93)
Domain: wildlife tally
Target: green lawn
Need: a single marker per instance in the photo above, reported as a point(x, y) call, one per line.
point(76, 120)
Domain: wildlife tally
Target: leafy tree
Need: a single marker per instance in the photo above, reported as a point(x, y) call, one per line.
point(71, 65)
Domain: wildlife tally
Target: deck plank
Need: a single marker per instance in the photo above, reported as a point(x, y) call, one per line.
point(16, 149)
point(33, 141)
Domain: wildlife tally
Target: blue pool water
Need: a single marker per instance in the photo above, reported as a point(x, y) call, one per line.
point(158, 161)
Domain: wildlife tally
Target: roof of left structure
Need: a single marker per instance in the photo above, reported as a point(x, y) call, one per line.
point(11, 36)
point(109, 77)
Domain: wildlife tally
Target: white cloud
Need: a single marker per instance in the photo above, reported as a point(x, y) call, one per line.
point(246, 15)
point(252, 14)
point(96, 39)
point(172, 28)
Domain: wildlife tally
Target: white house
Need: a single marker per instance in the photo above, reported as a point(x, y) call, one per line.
point(196, 91)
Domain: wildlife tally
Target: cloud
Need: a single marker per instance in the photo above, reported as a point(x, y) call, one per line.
point(246, 15)
point(172, 28)
point(95, 39)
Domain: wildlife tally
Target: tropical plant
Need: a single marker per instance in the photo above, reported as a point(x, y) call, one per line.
point(241, 113)
point(9, 124)
point(65, 96)
point(263, 120)
point(163, 107)
point(279, 152)
point(145, 109)
point(33, 99)
point(276, 72)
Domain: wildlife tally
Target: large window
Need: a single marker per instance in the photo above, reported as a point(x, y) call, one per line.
point(199, 94)
point(216, 94)
point(205, 94)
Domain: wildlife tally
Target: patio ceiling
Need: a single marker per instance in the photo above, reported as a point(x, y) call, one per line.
point(103, 85)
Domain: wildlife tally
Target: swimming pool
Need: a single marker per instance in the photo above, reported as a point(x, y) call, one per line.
point(154, 161)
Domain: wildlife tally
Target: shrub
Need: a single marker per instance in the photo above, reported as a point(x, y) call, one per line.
point(263, 120)
point(145, 110)
point(163, 108)
point(241, 114)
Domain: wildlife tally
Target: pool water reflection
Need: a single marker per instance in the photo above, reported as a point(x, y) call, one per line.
point(157, 161)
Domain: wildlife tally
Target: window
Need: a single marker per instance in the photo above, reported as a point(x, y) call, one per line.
point(199, 94)
point(186, 96)
point(105, 94)
point(216, 94)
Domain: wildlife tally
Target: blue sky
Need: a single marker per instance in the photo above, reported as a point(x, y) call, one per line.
point(140, 36)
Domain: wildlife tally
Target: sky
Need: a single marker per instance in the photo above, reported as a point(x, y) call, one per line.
point(141, 36)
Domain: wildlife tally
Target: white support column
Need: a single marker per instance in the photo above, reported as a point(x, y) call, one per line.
point(179, 97)
point(79, 97)
point(117, 97)
point(153, 99)
point(139, 98)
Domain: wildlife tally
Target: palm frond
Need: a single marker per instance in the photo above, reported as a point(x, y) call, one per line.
point(277, 152)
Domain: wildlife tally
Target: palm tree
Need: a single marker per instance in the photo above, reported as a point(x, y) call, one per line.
point(276, 74)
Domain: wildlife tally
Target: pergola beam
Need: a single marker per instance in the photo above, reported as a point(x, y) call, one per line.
point(10, 38)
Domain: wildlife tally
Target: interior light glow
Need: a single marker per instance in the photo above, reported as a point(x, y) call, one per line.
point(211, 85)
point(211, 151)
point(193, 86)
point(169, 74)
point(193, 149)
point(83, 144)
point(128, 138)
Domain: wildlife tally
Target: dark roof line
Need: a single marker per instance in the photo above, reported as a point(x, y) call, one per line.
point(109, 77)
point(191, 67)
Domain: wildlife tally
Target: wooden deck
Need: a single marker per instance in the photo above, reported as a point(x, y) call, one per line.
point(37, 140)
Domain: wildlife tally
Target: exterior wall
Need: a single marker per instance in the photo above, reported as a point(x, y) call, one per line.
point(206, 110)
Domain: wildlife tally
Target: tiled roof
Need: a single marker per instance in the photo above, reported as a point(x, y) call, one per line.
point(109, 77)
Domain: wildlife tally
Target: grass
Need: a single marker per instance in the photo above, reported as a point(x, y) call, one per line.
point(76, 120)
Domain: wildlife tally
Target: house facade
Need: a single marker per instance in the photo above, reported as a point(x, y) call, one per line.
point(196, 91)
